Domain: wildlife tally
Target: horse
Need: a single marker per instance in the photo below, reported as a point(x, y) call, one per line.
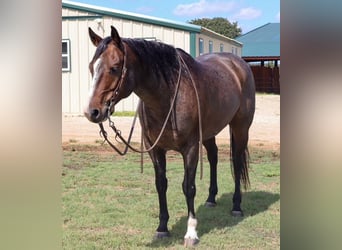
point(218, 87)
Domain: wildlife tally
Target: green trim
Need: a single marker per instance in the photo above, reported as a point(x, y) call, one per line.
point(131, 16)
point(193, 44)
point(81, 17)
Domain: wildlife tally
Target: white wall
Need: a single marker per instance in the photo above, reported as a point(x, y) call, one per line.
point(76, 83)
point(227, 46)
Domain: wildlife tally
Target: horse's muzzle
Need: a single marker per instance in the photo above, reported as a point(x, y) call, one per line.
point(94, 115)
point(98, 115)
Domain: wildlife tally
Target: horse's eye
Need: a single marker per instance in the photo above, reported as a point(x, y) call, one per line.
point(113, 70)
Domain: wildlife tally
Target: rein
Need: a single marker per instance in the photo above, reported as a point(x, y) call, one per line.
point(127, 142)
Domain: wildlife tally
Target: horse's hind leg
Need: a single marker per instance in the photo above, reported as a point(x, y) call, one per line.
point(159, 162)
point(210, 146)
point(239, 158)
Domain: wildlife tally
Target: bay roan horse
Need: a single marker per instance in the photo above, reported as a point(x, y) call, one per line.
point(223, 85)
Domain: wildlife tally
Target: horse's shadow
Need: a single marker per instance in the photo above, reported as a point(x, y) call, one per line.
point(219, 217)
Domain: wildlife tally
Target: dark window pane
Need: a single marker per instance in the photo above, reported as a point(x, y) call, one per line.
point(64, 48)
point(64, 62)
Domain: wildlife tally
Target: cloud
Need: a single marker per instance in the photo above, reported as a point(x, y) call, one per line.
point(203, 7)
point(248, 13)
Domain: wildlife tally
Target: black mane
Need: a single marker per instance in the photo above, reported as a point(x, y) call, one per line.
point(101, 47)
point(160, 58)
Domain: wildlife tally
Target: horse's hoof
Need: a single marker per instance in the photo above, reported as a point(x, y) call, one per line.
point(188, 242)
point(237, 213)
point(210, 204)
point(161, 235)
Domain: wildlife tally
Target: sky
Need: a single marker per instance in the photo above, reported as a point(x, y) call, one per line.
point(249, 14)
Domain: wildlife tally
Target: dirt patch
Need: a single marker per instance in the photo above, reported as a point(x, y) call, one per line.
point(264, 132)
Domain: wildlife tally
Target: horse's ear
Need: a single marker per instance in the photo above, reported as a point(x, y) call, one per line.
point(95, 39)
point(115, 37)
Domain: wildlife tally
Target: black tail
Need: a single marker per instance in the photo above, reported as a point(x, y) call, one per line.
point(239, 163)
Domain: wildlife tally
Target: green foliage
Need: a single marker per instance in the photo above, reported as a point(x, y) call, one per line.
point(219, 25)
point(108, 204)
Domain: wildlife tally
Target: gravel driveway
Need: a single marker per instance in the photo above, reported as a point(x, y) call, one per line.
point(265, 129)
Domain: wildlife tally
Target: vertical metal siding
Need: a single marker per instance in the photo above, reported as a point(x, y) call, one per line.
point(77, 82)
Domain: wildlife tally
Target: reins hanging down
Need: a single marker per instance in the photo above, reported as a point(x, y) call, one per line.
point(127, 142)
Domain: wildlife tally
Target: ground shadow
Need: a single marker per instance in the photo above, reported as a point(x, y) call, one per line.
point(219, 217)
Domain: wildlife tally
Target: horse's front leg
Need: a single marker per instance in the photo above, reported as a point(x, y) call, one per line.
point(190, 157)
point(159, 162)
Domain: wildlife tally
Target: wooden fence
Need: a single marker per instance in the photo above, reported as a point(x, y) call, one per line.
point(266, 79)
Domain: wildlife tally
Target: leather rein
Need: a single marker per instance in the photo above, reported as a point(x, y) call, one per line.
point(127, 142)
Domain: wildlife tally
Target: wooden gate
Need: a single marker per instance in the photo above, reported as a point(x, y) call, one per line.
point(266, 79)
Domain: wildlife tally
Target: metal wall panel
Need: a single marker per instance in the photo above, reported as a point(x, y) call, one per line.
point(77, 82)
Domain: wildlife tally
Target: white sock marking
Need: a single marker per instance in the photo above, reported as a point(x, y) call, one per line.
point(191, 231)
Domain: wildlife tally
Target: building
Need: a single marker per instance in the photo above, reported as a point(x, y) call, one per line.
point(261, 48)
point(77, 50)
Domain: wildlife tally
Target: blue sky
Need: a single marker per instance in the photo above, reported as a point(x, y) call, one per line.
point(249, 14)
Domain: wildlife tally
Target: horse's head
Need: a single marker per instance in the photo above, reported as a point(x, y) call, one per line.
point(108, 70)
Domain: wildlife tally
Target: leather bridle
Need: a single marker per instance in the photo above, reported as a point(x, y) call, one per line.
point(116, 89)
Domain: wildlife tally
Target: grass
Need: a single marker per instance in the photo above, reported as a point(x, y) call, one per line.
point(124, 113)
point(108, 204)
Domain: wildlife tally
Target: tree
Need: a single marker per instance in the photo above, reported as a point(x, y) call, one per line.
point(219, 25)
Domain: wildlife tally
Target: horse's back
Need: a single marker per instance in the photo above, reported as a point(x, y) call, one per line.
point(228, 90)
point(231, 65)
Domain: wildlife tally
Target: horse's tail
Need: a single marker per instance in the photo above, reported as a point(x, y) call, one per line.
point(239, 163)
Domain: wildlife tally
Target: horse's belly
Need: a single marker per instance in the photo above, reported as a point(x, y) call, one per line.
point(210, 130)
point(218, 116)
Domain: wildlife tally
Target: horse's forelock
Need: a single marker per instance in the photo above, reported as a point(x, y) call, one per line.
point(101, 47)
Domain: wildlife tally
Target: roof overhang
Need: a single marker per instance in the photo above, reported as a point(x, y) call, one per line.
point(130, 16)
point(213, 34)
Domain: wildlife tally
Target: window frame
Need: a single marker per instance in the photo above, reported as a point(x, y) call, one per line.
point(221, 47)
point(200, 46)
point(66, 55)
point(211, 46)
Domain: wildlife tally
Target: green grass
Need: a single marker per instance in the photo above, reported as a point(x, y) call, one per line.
point(108, 204)
point(124, 113)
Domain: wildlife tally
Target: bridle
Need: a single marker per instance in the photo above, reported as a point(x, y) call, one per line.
point(118, 132)
point(116, 89)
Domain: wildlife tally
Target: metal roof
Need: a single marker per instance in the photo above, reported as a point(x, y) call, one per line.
point(131, 16)
point(263, 41)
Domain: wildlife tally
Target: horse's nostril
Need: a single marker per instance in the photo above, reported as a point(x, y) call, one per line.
point(94, 113)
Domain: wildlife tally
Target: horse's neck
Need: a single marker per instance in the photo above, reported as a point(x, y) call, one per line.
point(153, 91)
point(152, 83)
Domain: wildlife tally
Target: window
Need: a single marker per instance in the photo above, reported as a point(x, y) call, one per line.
point(221, 47)
point(200, 46)
point(233, 50)
point(210, 46)
point(66, 55)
